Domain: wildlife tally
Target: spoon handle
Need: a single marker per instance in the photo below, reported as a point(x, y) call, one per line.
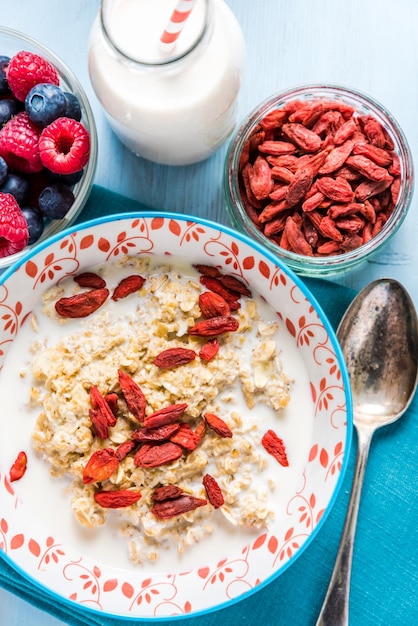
point(334, 610)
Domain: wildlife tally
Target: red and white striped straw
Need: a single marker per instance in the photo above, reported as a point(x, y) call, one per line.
point(176, 23)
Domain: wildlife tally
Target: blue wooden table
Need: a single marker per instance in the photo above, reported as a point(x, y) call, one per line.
point(368, 44)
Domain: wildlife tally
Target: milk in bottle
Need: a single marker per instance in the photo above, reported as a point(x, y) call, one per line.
point(175, 104)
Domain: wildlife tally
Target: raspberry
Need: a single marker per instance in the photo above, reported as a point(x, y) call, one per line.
point(64, 146)
point(14, 233)
point(26, 70)
point(19, 140)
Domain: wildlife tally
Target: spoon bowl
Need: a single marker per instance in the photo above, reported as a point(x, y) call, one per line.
point(379, 340)
point(378, 337)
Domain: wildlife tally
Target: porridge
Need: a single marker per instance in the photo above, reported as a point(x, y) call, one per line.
point(207, 385)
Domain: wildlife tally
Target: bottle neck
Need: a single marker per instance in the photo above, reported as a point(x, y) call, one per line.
point(132, 29)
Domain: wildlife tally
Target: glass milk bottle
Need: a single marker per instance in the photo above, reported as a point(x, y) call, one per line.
point(172, 103)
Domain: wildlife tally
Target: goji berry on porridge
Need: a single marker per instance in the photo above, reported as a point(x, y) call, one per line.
point(150, 401)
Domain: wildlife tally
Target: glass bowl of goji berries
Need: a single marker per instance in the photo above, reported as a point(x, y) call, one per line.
point(322, 175)
point(48, 145)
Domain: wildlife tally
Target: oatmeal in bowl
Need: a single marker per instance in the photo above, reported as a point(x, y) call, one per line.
point(165, 372)
point(178, 392)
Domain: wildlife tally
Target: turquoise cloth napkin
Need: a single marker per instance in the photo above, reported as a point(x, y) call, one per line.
point(385, 571)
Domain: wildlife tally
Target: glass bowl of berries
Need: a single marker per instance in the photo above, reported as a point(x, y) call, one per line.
point(48, 145)
point(322, 175)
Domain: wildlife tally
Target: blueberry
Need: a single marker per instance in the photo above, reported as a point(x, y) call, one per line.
point(4, 85)
point(17, 185)
point(67, 179)
point(8, 108)
point(45, 103)
point(55, 200)
point(73, 108)
point(4, 170)
point(35, 223)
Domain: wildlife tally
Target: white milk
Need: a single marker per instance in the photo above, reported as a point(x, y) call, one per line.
point(171, 107)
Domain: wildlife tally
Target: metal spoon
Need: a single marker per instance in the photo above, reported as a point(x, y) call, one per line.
point(379, 339)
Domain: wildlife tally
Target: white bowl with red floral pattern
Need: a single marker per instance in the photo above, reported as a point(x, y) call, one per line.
point(66, 563)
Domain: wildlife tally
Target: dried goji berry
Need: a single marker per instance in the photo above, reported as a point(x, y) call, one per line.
point(207, 270)
point(373, 131)
point(209, 350)
point(213, 491)
point(173, 357)
point(82, 304)
point(177, 506)
point(215, 326)
point(160, 433)
point(134, 397)
point(167, 492)
point(100, 466)
point(90, 280)
point(313, 202)
point(274, 211)
point(186, 437)
point(302, 137)
point(275, 446)
point(302, 181)
point(235, 285)
point(337, 157)
point(218, 425)
point(166, 415)
point(246, 179)
point(369, 188)
point(296, 238)
point(19, 467)
point(212, 304)
point(350, 224)
point(308, 114)
point(329, 247)
point(378, 155)
point(124, 449)
point(99, 403)
point(215, 285)
point(279, 193)
point(154, 455)
point(261, 181)
point(117, 499)
point(282, 174)
point(200, 428)
point(345, 131)
point(128, 285)
point(99, 423)
point(276, 148)
point(290, 161)
point(329, 123)
point(273, 119)
point(338, 189)
point(112, 400)
point(313, 161)
point(310, 233)
point(367, 167)
point(328, 228)
point(342, 210)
